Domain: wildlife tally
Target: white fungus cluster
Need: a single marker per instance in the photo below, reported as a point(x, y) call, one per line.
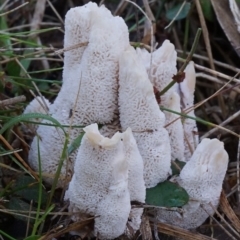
point(108, 82)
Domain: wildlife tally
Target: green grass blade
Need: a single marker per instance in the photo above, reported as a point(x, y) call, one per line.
point(75, 144)
point(27, 116)
point(36, 224)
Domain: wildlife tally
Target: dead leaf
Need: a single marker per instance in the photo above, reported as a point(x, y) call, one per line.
point(227, 22)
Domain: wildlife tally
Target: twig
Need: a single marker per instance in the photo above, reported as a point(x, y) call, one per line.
point(12, 101)
point(55, 11)
point(217, 80)
point(12, 10)
point(218, 63)
point(219, 224)
point(235, 115)
point(238, 181)
point(208, 48)
point(19, 158)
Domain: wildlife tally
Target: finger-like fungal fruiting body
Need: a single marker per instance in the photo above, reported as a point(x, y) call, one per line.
point(139, 111)
point(99, 81)
point(202, 177)
point(114, 208)
point(94, 168)
point(175, 127)
point(77, 28)
point(99, 185)
point(91, 76)
point(164, 61)
point(161, 67)
point(136, 184)
point(187, 88)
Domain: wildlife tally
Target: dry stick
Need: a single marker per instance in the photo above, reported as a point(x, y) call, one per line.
point(33, 83)
point(4, 5)
point(217, 80)
point(120, 8)
point(181, 233)
point(12, 10)
point(19, 158)
point(217, 92)
point(222, 218)
point(235, 115)
point(12, 101)
point(2, 165)
point(228, 211)
point(27, 48)
point(26, 55)
point(238, 181)
point(55, 11)
point(216, 73)
point(220, 225)
point(71, 48)
point(36, 20)
point(218, 63)
point(208, 47)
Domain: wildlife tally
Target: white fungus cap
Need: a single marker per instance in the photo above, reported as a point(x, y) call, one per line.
point(100, 182)
point(99, 80)
point(162, 66)
point(77, 28)
point(164, 61)
point(139, 110)
point(187, 88)
point(91, 76)
point(175, 127)
point(202, 177)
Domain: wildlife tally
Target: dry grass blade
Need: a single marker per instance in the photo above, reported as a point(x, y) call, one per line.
point(19, 158)
point(120, 8)
point(62, 229)
point(12, 101)
point(145, 228)
point(231, 118)
point(13, 10)
point(228, 211)
point(181, 233)
point(209, 49)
